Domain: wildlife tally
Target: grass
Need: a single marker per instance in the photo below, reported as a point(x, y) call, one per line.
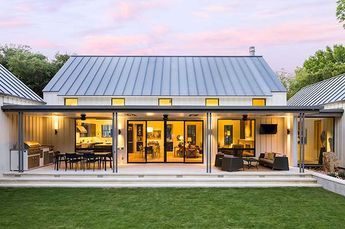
point(171, 208)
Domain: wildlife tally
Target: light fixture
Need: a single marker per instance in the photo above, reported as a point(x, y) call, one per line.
point(228, 133)
point(189, 139)
point(244, 117)
point(149, 129)
point(55, 124)
point(288, 131)
point(119, 132)
point(83, 117)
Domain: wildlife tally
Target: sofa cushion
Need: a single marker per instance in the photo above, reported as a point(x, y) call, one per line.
point(266, 161)
point(270, 156)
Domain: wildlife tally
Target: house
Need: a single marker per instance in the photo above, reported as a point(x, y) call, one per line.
point(329, 93)
point(170, 109)
point(12, 91)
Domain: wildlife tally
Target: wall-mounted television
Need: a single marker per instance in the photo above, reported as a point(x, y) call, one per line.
point(268, 128)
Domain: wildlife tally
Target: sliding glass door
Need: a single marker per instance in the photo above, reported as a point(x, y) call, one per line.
point(172, 142)
point(175, 141)
point(155, 141)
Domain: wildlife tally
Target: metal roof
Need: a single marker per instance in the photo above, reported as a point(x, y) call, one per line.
point(327, 91)
point(11, 85)
point(165, 76)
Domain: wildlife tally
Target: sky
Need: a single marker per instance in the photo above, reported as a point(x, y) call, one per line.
point(285, 32)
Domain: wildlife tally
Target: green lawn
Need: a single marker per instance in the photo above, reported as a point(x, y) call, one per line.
point(171, 208)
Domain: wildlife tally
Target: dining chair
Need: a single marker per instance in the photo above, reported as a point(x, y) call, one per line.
point(90, 158)
point(72, 159)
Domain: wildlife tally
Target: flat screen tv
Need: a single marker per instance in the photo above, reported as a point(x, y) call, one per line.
point(268, 128)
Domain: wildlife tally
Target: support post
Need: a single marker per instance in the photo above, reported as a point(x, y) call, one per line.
point(301, 141)
point(208, 142)
point(115, 143)
point(20, 143)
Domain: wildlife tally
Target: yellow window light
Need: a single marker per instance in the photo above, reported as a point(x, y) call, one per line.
point(165, 102)
point(212, 102)
point(259, 102)
point(71, 102)
point(117, 101)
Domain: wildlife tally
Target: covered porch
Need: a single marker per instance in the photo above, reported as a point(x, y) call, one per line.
point(163, 139)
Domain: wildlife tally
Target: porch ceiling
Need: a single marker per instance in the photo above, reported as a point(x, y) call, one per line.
point(270, 110)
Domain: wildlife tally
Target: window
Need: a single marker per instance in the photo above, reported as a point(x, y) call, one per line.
point(259, 102)
point(118, 102)
point(212, 102)
point(71, 102)
point(236, 137)
point(165, 102)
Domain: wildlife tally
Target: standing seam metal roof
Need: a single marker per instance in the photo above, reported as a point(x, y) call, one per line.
point(165, 76)
point(327, 91)
point(11, 85)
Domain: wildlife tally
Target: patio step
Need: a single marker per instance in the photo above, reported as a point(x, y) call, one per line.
point(156, 180)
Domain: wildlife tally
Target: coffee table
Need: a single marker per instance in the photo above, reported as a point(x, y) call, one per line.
point(250, 160)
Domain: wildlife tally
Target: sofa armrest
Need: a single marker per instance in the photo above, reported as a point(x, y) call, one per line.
point(281, 163)
point(262, 155)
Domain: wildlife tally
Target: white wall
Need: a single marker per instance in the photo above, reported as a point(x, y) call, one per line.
point(277, 99)
point(8, 131)
point(339, 132)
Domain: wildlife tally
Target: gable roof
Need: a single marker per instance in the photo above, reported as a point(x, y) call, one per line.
point(165, 76)
point(11, 85)
point(326, 91)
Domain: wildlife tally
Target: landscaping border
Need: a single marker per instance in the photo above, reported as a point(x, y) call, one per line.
point(330, 183)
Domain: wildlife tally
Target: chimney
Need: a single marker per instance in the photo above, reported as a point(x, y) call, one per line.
point(252, 50)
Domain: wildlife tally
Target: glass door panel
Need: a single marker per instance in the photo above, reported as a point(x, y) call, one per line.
point(155, 141)
point(136, 141)
point(175, 141)
point(193, 141)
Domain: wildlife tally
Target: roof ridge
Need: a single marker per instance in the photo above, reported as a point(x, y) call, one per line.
point(322, 81)
point(114, 55)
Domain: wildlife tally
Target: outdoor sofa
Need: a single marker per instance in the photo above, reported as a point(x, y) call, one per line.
point(274, 161)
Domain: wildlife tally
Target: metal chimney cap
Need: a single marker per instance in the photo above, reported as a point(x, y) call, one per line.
point(252, 50)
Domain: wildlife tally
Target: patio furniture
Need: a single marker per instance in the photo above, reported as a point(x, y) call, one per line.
point(90, 158)
point(72, 159)
point(58, 158)
point(108, 157)
point(103, 158)
point(274, 161)
point(231, 163)
point(251, 162)
point(219, 158)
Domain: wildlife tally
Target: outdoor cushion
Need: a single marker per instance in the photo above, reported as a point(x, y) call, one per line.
point(270, 156)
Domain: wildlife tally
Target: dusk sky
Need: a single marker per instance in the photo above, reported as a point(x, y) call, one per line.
point(285, 32)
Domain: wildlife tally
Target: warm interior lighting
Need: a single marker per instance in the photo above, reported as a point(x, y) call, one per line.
point(259, 102)
point(165, 102)
point(149, 129)
point(55, 123)
point(189, 139)
point(212, 102)
point(228, 133)
point(118, 101)
point(71, 102)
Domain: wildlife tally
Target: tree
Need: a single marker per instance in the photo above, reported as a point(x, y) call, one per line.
point(322, 65)
point(341, 11)
point(34, 69)
point(285, 77)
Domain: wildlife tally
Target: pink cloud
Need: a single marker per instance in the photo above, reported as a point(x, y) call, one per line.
point(129, 10)
point(107, 44)
point(43, 43)
point(207, 11)
point(282, 34)
point(12, 23)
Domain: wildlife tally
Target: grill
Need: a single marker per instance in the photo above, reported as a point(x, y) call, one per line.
point(33, 147)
